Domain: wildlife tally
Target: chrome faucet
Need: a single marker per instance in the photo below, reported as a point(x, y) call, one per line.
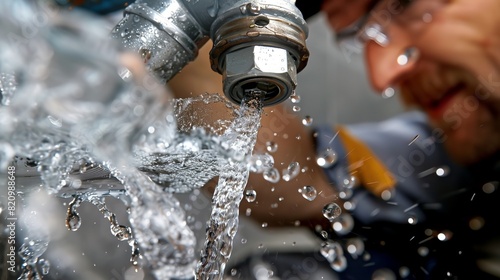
point(258, 45)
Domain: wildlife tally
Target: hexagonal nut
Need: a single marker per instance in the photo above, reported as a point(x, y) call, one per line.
point(264, 70)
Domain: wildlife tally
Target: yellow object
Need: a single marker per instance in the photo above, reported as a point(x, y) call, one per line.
point(364, 164)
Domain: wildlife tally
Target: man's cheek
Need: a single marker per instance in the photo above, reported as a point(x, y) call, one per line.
point(489, 88)
point(452, 119)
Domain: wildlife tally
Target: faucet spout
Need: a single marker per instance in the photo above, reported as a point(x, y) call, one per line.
point(258, 45)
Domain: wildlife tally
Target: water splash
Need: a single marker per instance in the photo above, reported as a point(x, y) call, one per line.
point(30, 251)
point(71, 109)
point(72, 106)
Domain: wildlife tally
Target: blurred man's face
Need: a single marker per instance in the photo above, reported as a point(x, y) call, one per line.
point(443, 55)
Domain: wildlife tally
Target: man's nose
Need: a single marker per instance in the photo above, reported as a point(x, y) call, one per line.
point(388, 65)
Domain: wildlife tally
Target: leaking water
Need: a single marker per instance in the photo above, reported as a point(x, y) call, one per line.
point(222, 227)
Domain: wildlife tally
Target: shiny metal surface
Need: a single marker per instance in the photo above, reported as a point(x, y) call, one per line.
point(169, 33)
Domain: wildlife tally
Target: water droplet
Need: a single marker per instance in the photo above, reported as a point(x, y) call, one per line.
point(145, 55)
point(349, 206)
point(331, 211)
point(264, 225)
point(83, 167)
point(388, 92)
point(350, 182)
point(412, 220)
point(443, 171)
point(295, 98)
point(410, 54)
point(333, 253)
point(340, 264)
point(427, 17)
point(291, 172)
point(271, 147)
point(343, 224)
point(308, 192)
point(490, 187)
point(444, 235)
point(234, 271)
point(423, 251)
point(296, 108)
point(307, 121)
point(404, 272)
point(355, 246)
point(374, 32)
point(476, 223)
point(261, 163)
point(272, 175)
point(136, 18)
point(345, 194)
point(402, 59)
point(248, 212)
point(250, 195)
point(327, 158)
point(125, 32)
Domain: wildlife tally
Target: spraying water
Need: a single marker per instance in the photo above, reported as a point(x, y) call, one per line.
point(229, 192)
point(91, 129)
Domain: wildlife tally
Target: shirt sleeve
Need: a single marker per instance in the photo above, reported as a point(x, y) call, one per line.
point(423, 180)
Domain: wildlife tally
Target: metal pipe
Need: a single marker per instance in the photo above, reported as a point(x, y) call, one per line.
point(258, 45)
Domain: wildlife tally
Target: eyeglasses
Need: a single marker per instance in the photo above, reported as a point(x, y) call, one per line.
point(375, 25)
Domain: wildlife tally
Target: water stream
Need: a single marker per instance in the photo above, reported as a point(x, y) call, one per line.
point(222, 227)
